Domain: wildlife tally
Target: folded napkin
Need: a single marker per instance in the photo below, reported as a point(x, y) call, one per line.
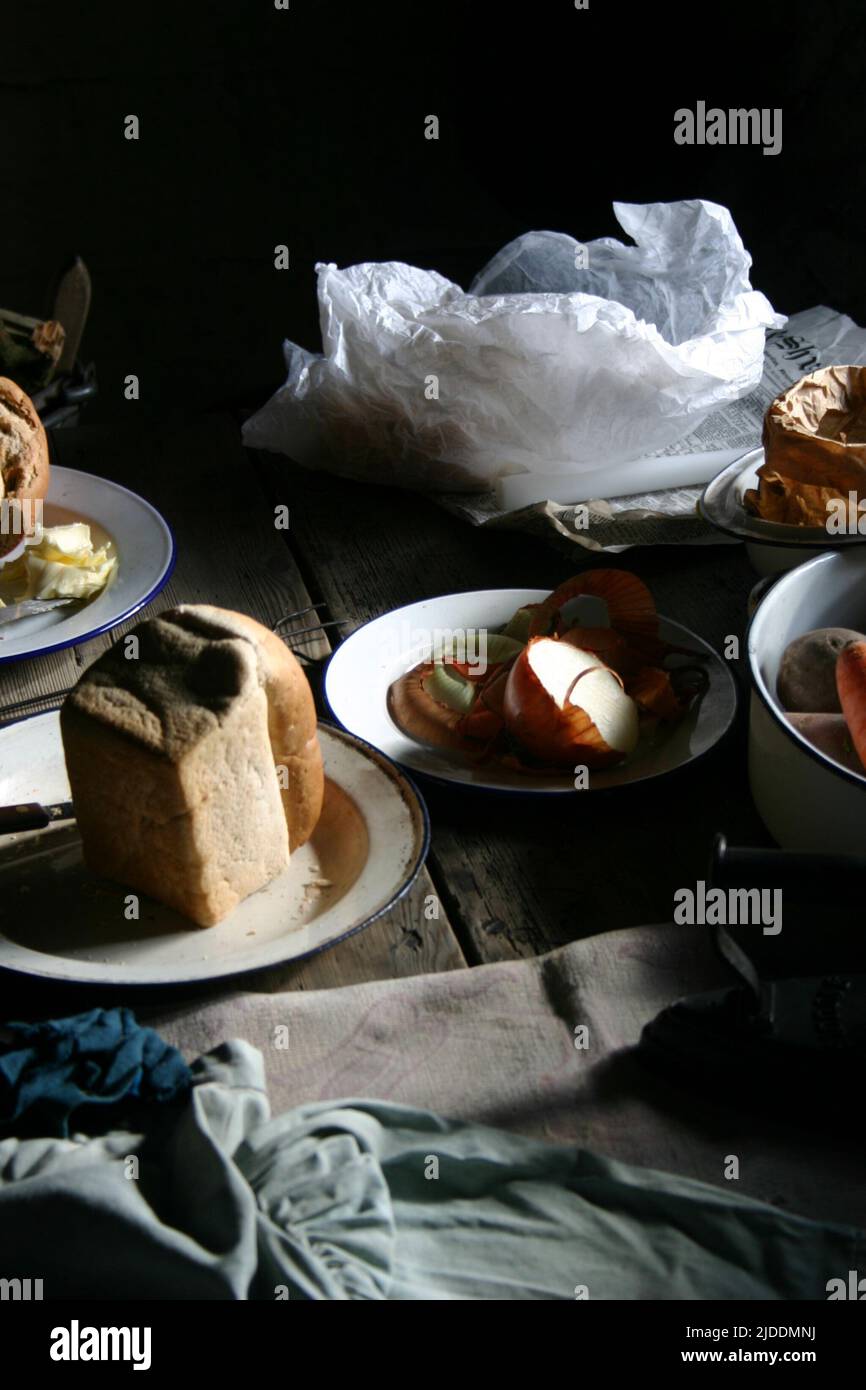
point(50, 1070)
point(362, 1199)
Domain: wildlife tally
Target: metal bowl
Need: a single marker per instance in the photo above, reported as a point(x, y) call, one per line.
point(772, 548)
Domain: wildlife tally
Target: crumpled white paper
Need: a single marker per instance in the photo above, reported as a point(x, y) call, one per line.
point(543, 366)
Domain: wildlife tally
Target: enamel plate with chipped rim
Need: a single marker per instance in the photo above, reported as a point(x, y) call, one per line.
point(722, 504)
point(60, 921)
point(139, 537)
point(366, 664)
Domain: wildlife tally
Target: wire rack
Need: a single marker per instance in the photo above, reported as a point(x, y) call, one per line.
point(309, 633)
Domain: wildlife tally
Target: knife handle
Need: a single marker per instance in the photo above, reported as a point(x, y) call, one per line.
point(28, 815)
point(808, 876)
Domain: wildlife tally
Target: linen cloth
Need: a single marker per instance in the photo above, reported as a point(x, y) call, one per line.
point(495, 1045)
point(217, 1200)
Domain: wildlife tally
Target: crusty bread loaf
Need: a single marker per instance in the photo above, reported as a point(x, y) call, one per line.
point(175, 756)
point(24, 466)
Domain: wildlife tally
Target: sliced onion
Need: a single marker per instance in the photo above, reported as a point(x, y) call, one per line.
point(566, 707)
point(447, 687)
point(518, 626)
point(496, 649)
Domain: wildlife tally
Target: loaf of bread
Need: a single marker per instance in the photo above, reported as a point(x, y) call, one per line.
point(193, 760)
point(815, 431)
point(24, 466)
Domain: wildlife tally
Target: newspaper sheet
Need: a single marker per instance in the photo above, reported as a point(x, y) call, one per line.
point(814, 338)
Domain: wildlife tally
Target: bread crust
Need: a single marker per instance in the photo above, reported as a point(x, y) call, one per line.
point(292, 723)
point(24, 460)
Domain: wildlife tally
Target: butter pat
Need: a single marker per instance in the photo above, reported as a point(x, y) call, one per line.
point(54, 579)
point(62, 563)
point(64, 541)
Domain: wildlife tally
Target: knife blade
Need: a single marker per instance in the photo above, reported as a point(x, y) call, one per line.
point(71, 308)
point(32, 815)
point(29, 608)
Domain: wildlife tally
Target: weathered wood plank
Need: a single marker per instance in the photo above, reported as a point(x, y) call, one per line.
point(520, 875)
point(229, 554)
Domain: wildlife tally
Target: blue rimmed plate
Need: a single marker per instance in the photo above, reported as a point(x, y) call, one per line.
point(145, 550)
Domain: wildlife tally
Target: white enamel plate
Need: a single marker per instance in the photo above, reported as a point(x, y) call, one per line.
point(141, 540)
point(365, 665)
point(60, 921)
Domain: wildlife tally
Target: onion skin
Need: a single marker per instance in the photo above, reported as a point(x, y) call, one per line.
point(492, 694)
point(427, 721)
point(630, 605)
point(480, 723)
point(652, 690)
point(476, 674)
point(485, 720)
point(562, 737)
point(605, 643)
point(421, 717)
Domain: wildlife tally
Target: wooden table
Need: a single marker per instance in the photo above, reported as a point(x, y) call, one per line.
point(513, 877)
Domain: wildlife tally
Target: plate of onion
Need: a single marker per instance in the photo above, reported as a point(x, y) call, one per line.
point(524, 690)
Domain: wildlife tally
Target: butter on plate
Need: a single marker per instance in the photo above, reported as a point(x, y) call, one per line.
point(61, 563)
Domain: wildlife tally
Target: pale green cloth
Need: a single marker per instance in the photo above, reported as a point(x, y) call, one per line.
point(338, 1199)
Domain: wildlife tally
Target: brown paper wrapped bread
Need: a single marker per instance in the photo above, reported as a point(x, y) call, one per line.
point(815, 432)
point(24, 466)
point(788, 503)
point(173, 758)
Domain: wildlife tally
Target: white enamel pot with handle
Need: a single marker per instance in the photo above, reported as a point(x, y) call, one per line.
point(806, 800)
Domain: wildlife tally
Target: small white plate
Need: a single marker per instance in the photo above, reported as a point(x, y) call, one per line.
point(367, 663)
point(142, 542)
point(58, 920)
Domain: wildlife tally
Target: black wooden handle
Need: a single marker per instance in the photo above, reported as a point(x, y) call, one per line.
point(25, 816)
point(837, 878)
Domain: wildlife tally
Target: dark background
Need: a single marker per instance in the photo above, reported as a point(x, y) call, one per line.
point(306, 127)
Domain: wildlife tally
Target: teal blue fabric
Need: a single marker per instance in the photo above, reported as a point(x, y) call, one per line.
point(367, 1200)
point(50, 1070)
